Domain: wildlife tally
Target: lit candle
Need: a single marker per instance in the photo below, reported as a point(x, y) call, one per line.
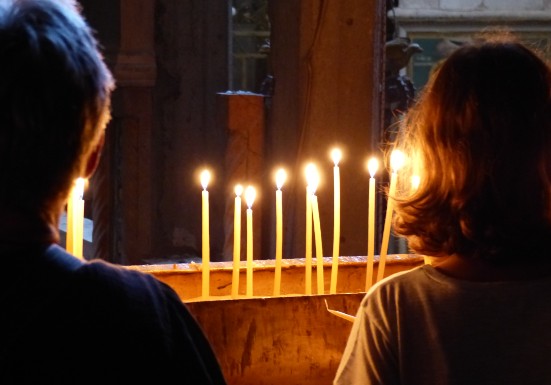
point(336, 155)
point(317, 236)
point(372, 166)
point(281, 175)
point(396, 161)
point(415, 180)
point(78, 218)
point(69, 234)
point(310, 168)
point(205, 179)
point(236, 241)
point(250, 195)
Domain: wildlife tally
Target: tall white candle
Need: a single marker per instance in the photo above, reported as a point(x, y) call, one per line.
point(69, 234)
point(396, 162)
point(205, 265)
point(317, 236)
point(372, 166)
point(236, 241)
point(250, 195)
point(281, 175)
point(78, 219)
point(313, 181)
point(308, 257)
point(336, 155)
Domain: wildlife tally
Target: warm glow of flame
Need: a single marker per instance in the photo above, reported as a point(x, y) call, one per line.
point(397, 160)
point(415, 180)
point(372, 166)
point(312, 177)
point(79, 187)
point(280, 178)
point(238, 190)
point(205, 179)
point(336, 155)
point(250, 195)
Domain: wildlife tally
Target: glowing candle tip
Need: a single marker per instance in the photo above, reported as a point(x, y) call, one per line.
point(372, 166)
point(80, 182)
point(250, 195)
point(312, 177)
point(281, 176)
point(336, 155)
point(415, 180)
point(238, 190)
point(397, 160)
point(205, 179)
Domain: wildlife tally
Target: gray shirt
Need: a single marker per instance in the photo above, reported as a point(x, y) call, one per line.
point(423, 327)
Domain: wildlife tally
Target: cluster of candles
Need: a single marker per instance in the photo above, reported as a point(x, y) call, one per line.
point(74, 236)
point(313, 228)
point(75, 227)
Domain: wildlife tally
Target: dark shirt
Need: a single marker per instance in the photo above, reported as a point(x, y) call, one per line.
point(64, 321)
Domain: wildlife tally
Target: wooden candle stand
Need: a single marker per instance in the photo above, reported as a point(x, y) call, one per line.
point(289, 339)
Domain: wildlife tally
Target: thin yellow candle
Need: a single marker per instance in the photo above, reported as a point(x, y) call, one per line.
point(236, 241)
point(281, 175)
point(336, 155)
point(372, 166)
point(78, 218)
point(396, 162)
point(69, 234)
point(308, 257)
point(250, 195)
point(205, 265)
point(317, 236)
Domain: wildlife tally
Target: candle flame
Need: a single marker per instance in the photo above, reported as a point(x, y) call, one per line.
point(205, 179)
point(397, 160)
point(79, 187)
point(250, 195)
point(415, 180)
point(312, 177)
point(281, 176)
point(336, 155)
point(238, 190)
point(372, 166)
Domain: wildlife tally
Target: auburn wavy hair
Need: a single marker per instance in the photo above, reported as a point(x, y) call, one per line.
point(479, 139)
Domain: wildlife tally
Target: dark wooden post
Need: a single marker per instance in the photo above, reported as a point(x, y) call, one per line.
point(242, 115)
point(327, 59)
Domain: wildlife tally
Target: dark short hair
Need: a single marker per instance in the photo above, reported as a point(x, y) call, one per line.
point(480, 139)
point(54, 95)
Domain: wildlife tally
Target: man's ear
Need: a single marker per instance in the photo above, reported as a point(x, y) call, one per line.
point(94, 157)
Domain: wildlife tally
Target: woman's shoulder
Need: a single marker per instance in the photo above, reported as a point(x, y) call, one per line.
point(406, 277)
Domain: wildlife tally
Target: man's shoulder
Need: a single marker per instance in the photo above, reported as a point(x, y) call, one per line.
point(120, 285)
